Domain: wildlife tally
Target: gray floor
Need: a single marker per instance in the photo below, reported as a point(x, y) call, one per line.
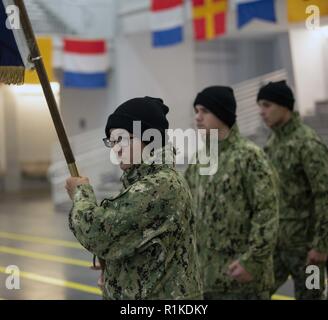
point(32, 214)
point(28, 226)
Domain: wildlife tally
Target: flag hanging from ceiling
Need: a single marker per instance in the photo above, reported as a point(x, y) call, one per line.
point(209, 18)
point(297, 9)
point(85, 63)
point(247, 10)
point(14, 54)
point(166, 22)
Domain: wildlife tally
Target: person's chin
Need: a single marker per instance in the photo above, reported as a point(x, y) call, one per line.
point(267, 123)
point(203, 131)
point(123, 166)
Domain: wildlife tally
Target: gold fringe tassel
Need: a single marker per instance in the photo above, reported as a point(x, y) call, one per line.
point(12, 75)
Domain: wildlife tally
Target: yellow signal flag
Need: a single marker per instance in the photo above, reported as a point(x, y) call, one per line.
point(46, 48)
point(297, 9)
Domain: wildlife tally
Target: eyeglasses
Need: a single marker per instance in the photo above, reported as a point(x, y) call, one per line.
point(122, 141)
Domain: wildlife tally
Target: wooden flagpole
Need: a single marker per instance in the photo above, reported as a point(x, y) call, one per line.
point(51, 101)
point(44, 80)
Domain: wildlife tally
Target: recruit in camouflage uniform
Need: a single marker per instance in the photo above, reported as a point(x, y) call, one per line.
point(145, 235)
point(236, 206)
point(237, 218)
point(301, 160)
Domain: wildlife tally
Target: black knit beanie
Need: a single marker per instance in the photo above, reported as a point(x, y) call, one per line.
point(279, 93)
point(151, 112)
point(220, 101)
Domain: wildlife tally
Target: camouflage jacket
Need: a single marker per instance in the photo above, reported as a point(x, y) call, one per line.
point(146, 235)
point(236, 216)
point(301, 160)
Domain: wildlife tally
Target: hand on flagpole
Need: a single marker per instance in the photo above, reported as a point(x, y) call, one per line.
point(73, 182)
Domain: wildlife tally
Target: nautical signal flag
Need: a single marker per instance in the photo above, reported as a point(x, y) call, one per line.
point(297, 9)
point(209, 18)
point(85, 63)
point(248, 10)
point(14, 52)
point(167, 19)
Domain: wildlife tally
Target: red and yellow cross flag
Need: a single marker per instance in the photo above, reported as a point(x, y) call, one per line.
point(209, 18)
point(297, 9)
point(46, 49)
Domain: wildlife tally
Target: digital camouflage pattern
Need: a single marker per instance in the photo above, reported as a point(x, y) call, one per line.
point(301, 161)
point(236, 218)
point(146, 235)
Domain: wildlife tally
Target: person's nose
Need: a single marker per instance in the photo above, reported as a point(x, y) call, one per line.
point(198, 117)
point(262, 112)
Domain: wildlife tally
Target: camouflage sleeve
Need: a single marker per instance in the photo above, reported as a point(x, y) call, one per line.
point(190, 175)
point(261, 189)
point(119, 227)
point(315, 162)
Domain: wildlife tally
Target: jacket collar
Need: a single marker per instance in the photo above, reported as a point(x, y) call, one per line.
point(288, 127)
point(161, 158)
point(231, 139)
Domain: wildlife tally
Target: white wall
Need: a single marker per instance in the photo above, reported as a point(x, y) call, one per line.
point(90, 106)
point(11, 150)
point(25, 124)
point(325, 57)
point(230, 61)
point(168, 73)
point(309, 51)
point(36, 132)
point(282, 56)
point(95, 19)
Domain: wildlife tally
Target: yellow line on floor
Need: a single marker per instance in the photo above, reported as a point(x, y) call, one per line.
point(57, 282)
point(42, 256)
point(280, 297)
point(40, 240)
